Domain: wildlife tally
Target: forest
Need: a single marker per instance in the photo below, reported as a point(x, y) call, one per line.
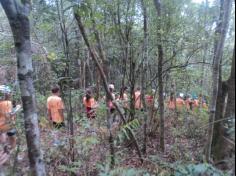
point(117, 88)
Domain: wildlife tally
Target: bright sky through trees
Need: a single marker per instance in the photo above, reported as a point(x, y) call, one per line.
point(200, 1)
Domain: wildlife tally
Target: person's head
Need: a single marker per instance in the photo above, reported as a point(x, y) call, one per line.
point(138, 89)
point(88, 94)
point(56, 90)
point(5, 92)
point(154, 92)
point(111, 87)
point(181, 95)
point(7, 96)
point(124, 89)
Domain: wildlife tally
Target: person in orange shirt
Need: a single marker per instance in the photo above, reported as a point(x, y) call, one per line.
point(195, 103)
point(189, 103)
point(171, 102)
point(138, 101)
point(180, 103)
point(90, 104)
point(7, 118)
point(56, 108)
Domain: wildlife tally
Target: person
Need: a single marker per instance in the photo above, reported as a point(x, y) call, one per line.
point(137, 98)
point(180, 102)
point(7, 116)
point(124, 96)
point(90, 104)
point(189, 103)
point(171, 102)
point(110, 104)
point(56, 108)
point(196, 103)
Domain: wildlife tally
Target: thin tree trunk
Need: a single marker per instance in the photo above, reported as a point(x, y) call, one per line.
point(18, 16)
point(160, 78)
point(205, 52)
point(65, 42)
point(144, 70)
point(221, 31)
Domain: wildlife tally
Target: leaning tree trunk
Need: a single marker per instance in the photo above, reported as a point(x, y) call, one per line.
point(221, 32)
point(160, 79)
point(18, 16)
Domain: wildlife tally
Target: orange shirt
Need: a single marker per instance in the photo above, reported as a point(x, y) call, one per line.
point(54, 104)
point(89, 104)
point(196, 103)
point(138, 102)
point(180, 103)
point(171, 104)
point(5, 108)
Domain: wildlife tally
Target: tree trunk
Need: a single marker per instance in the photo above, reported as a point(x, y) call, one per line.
point(218, 132)
point(160, 79)
point(221, 32)
point(219, 149)
point(230, 109)
point(18, 16)
point(144, 70)
point(205, 52)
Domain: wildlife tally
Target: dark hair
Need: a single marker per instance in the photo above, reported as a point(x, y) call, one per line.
point(55, 89)
point(123, 89)
point(138, 88)
point(88, 94)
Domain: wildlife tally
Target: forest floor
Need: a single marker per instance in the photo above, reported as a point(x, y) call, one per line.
point(183, 141)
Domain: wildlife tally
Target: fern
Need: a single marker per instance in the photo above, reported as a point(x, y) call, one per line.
point(127, 128)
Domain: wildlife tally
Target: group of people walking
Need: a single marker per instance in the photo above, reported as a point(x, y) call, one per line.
point(55, 107)
point(186, 102)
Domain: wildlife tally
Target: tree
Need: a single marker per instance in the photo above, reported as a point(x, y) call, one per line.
point(224, 111)
point(18, 15)
point(221, 32)
point(160, 77)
